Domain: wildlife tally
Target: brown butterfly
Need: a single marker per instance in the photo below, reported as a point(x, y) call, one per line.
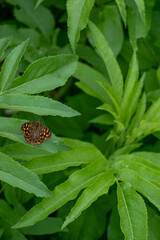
point(35, 132)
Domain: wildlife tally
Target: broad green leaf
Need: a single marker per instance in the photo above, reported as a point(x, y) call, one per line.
point(91, 77)
point(11, 128)
point(141, 8)
point(132, 211)
point(10, 65)
point(111, 63)
point(78, 13)
point(45, 74)
point(122, 9)
point(78, 155)
point(146, 188)
point(99, 187)
point(24, 151)
point(40, 18)
point(3, 45)
point(153, 158)
point(36, 104)
point(146, 171)
point(64, 192)
point(106, 119)
point(17, 175)
point(139, 113)
point(142, 167)
point(49, 225)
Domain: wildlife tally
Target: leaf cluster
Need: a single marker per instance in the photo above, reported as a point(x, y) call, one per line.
point(101, 180)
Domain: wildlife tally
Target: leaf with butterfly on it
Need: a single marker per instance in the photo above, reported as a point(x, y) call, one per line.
point(35, 132)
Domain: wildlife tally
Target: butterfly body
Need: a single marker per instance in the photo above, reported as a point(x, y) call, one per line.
point(35, 132)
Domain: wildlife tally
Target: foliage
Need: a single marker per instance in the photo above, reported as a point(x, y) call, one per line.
point(100, 179)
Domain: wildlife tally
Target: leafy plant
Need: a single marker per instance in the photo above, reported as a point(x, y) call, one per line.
point(106, 183)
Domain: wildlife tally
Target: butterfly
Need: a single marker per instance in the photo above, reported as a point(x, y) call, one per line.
point(35, 132)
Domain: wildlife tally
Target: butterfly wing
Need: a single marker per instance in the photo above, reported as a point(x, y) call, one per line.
point(27, 129)
point(35, 132)
point(44, 133)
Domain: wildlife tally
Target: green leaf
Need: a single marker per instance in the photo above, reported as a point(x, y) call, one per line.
point(99, 187)
point(148, 189)
point(12, 234)
point(113, 231)
point(91, 78)
point(153, 158)
point(3, 45)
point(141, 8)
point(135, 98)
point(78, 13)
point(78, 155)
point(153, 224)
point(108, 21)
point(38, 3)
point(10, 65)
point(139, 114)
point(132, 16)
point(27, 151)
point(87, 53)
point(152, 96)
point(106, 119)
point(132, 78)
point(45, 74)
point(112, 96)
point(64, 193)
point(153, 113)
point(141, 166)
point(132, 211)
point(109, 108)
point(36, 104)
point(11, 128)
point(125, 150)
point(93, 220)
point(6, 212)
point(122, 9)
point(139, 20)
point(49, 225)
point(16, 175)
point(109, 59)
point(40, 18)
